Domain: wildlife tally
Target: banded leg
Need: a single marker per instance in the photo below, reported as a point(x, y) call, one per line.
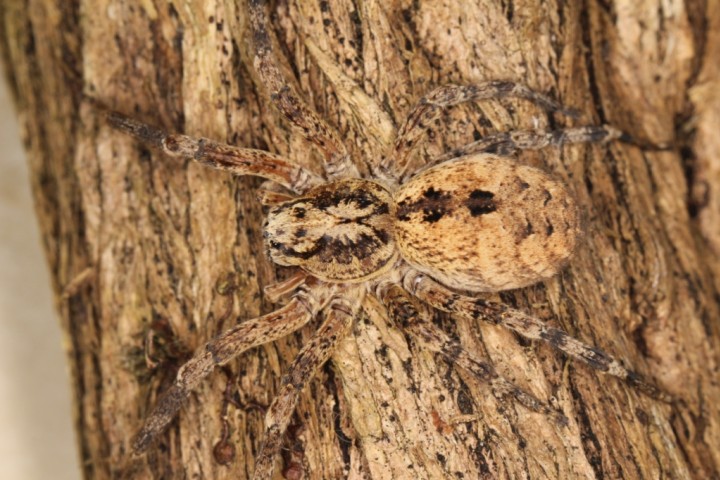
point(529, 327)
point(406, 315)
point(219, 351)
point(509, 143)
point(313, 356)
point(312, 127)
point(430, 106)
point(236, 160)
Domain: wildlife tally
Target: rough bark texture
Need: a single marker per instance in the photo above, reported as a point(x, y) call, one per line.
point(137, 244)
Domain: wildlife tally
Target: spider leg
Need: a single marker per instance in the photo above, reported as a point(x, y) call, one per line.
point(529, 327)
point(509, 143)
point(236, 160)
point(269, 196)
point(221, 350)
point(312, 127)
point(430, 106)
point(403, 311)
point(276, 290)
point(312, 356)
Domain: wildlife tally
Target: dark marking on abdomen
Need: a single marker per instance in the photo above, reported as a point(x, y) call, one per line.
point(550, 229)
point(434, 204)
point(481, 202)
point(548, 197)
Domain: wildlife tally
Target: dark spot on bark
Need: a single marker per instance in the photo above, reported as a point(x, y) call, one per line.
point(407, 366)
point(642, 417)
point(451, 351)
point(299, 212)
point(480, 202)
point(300, 233)
point(464, 402)
point(522, 184)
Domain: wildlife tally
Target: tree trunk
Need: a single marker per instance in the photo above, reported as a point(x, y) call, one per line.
point(150, 258)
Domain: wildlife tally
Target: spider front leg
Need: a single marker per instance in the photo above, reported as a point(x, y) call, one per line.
point(221, 350)
point(529, 327)
point(312, 127)
point(403, 311)
point(312, 356)
point(236, 160)
point(430, 106)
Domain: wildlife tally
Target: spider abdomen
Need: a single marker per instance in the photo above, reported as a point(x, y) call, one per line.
point(486, 223)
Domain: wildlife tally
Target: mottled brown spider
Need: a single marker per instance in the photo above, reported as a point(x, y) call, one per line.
point(471, 221)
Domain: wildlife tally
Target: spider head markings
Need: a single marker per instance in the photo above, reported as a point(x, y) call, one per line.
point(338, 232)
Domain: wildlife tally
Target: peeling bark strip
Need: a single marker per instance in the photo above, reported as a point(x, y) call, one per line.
point(159, 235)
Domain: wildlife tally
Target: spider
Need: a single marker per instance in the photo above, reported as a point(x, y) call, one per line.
point(470, 222)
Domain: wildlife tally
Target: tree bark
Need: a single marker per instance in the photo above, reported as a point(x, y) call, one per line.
point(150, 258)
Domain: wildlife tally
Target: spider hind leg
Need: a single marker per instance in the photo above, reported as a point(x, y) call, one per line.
point(528, 326)
point(405, 314)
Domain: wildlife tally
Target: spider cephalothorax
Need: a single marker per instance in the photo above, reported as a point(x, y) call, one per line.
point(472, 221)
point(338, 232)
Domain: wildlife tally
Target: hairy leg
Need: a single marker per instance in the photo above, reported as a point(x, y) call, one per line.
point(221, 350)
point(275, 291)
point(269, 197)
point(530, 327)
point(509, 143)
point(314, 354)
point(430, 107)
point(312, 127)
point(236, 160)
point(407, 316)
